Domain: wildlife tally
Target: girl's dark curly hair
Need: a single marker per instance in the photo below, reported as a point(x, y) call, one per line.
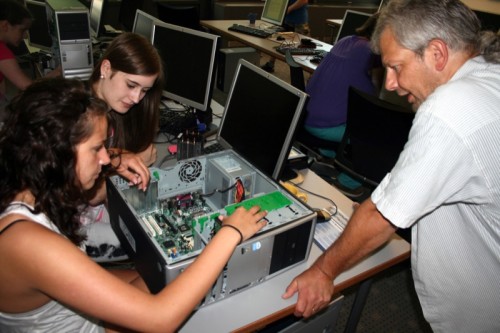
point(38, 149)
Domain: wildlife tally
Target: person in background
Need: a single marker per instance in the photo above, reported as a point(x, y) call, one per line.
point(296, 19)
point(129, 78)
point(58, 133)
point(350, 62)
point(15, 20)
point(446, 184)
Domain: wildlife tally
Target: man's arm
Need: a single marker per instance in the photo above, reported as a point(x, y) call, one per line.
point(367, 230)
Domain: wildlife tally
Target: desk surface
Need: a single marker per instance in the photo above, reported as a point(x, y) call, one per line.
point(265, 45)
point(262, 304)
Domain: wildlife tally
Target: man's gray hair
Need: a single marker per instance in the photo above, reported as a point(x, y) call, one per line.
point(415, 23)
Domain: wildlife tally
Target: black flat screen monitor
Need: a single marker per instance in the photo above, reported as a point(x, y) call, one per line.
point(352, 20)
point(260, 118)
point(274, 11)
point(95, 17)
point(143, 24)
point(38, 34)
point(73, 25)
point(126, 16)
point(189, 63)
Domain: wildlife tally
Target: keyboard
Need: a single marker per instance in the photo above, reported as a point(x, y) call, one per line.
point(244, 29)
point(213, 148)
point(300, 51)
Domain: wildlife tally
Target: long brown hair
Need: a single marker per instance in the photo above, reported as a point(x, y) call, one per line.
point(133, 54)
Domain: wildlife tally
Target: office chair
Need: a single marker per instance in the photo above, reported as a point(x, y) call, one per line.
point(376, 132)
point(184, 16)
point(296, 72)
point(303, 137)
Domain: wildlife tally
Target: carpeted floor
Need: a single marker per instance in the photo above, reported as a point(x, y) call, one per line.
point(392, 305)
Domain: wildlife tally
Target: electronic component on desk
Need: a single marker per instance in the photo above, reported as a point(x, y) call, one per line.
point(323, 215)
point(300, 50)
point(317, 59)
point(189, 144)
point(244, 29)
point(307, 43)
point(165, 228)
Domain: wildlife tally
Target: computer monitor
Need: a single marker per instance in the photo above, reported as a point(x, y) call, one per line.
point(274, 11)
point(127, 12)
point(352, 20)
point(268, 111)
point(95, 16)
point(189, 63)
point(38, 34)
point(143, 24)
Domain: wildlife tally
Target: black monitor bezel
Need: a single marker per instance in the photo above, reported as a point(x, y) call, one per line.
point(347, 12)
point(287, 141)
point(33, 26)
point(271, 20)
point(196, 104)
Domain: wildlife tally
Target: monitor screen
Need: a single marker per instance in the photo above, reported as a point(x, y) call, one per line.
point(274, 11)
point(73, 26)
point(96, 10)
point(352, 21)
point(260, 118)
point(38, 34)
point(188, 61)
point(127, 12)
point(143, 24)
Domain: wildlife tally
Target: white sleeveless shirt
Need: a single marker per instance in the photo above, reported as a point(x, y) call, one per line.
point(53, 316)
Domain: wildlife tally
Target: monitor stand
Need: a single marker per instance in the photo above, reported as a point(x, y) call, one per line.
point(206, 117)
point(210, 130)
point(288, 174)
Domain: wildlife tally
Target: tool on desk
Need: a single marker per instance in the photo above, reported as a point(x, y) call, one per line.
point(295, 191)
point(322, 215)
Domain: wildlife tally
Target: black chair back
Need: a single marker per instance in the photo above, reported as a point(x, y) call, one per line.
point(184, 16)
point(296, 72)
point(302, 136)
point(376, 132)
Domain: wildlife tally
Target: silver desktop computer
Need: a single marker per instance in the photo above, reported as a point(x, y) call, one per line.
point(165, 228)
point(71, 41)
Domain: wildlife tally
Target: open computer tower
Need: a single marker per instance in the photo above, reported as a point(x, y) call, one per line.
point(165, 228)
